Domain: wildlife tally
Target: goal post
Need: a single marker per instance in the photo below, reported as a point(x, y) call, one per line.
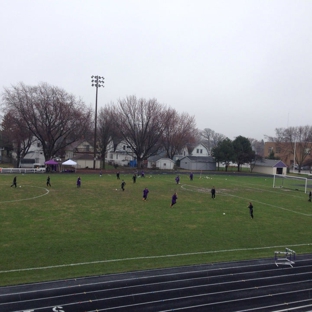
point(290, 182)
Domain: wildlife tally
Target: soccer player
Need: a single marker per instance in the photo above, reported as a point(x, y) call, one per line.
point(251, 209)
point(48, 181)
point(191, 176)
point(123, 183)
point(117, 175)
point(213, 192)
point(174, 199)
point(134, 178)
point(177, 179)
point(145, 192)
point(310, 196)
point(14, 182)
point(78, 182)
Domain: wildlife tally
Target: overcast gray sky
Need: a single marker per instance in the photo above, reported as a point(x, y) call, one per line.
point(240, 67)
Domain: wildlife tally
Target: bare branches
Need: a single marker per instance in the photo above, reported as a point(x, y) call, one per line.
point(180, 130)
point(294, 141)
point(53, 116)
point(141, 124)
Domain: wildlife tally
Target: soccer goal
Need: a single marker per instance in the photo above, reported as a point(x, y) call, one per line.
point(290, 182)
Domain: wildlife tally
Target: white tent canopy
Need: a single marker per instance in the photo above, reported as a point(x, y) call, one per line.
point(69, 162)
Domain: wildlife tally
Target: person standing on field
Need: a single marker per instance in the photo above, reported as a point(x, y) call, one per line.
point(145, 193)
point(78, 182)
point(310, 196)
point(48, 181)
point(177, 179)
point(213, 192)
point(251, 210)
point(14, 182)
point(174, 199)
point(123, 183)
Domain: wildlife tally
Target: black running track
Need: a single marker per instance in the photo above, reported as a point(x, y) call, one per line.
point(256, 285)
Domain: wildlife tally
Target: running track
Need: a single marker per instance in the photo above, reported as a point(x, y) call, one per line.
point(256, 285)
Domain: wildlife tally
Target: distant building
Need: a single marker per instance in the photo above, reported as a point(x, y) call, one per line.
point(82, 153)
point(270, 166)
point(200, 150)
point(198, 163)
point(34, 158)
point(160, 162)
point(285, 152)
point(122, 155)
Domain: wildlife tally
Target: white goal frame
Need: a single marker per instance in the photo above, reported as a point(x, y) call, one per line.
point(283, 176)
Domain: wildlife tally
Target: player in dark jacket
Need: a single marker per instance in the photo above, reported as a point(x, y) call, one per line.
point(174, 199)
point(251, 210)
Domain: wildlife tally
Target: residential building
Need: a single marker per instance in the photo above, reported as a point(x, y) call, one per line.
point(34, 157)
point(270, 166)
point(122, 155)
point(198, 163)
point(285, 152)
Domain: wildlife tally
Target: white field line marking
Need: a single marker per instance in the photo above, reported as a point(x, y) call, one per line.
point(152, 257)
point(270, 205)
point(30, 198)
point(203, 190)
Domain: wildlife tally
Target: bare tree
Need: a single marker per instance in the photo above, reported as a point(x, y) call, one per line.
point(106, 130)
point(53, 116)
point(141, 124)
point(211, 138)
point(257, 146)
point(15, 131)
point(293, 142)
point(179, 132)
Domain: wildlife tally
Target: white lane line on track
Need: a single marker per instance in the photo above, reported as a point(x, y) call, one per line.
point(153, 257)
point(158, 292)
point(192, 297)
point(163, 275)
point(128, 287)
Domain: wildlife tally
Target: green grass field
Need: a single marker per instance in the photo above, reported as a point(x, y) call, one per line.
point(65, 232)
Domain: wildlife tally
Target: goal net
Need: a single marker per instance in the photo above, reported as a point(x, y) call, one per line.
point(290, 182)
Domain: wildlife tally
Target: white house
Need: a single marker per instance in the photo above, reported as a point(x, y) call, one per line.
point(82, 153)
point(270, 166)
point(200, 150)
point(121, 156)
point(184, 152)
point(34, 157)
point(160, 161)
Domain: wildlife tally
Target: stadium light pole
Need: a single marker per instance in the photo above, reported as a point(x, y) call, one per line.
point(97, 82)
point(294, 157)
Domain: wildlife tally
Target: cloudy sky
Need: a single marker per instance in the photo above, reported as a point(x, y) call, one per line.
point(240, 67)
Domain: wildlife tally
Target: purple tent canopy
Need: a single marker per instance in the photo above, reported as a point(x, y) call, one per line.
point(51, 162)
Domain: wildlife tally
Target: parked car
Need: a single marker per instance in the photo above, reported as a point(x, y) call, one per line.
point(40, 169)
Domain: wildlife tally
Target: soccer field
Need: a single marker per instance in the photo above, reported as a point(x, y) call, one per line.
point(62, 231)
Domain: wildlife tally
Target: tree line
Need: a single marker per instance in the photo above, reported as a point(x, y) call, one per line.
point(57, 119)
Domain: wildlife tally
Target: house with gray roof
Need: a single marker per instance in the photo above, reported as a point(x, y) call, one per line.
point(160, 162)
point(198, 163)
point(270, 166)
